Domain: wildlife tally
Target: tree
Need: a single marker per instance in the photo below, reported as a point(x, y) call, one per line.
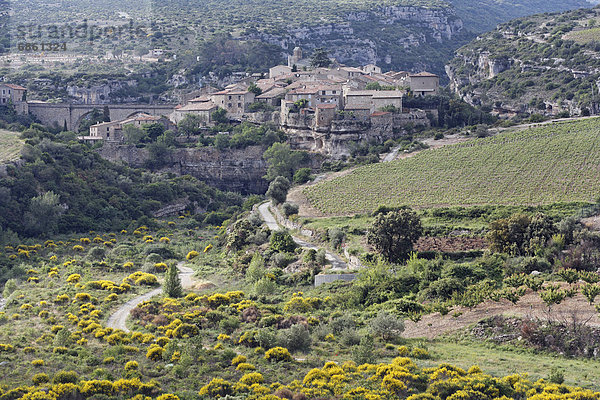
point(320, 58)
point(133, 134)
point(282, 242)
point(282, 161)
point(373, 86)
point(220, 116)
point(167, 138)
point(302, 175)
point(159, 155)
point(364, 353)
point(172, 287)
point(141, 51)
point(241, 231)
point(43, 214)
point(394, 233)
point(190, 124)
point(255, 89)
point(520, 234)
point(153, 131)
point(278, 190)
point(106, 114)
point(386, 325)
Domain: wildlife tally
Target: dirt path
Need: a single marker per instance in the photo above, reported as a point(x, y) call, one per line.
point(530, 305)
point(336, 262)
point(118, 319)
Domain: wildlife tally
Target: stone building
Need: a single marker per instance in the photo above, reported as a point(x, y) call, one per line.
point(14, 95)
point(202, 107)
point(234, 101)
point(424, 84)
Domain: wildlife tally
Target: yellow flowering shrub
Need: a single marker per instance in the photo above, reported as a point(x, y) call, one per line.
point(73, 278)
point(167, 396)
point(155, 352)
point(81, 297)
point(95, 387)
point(131, 366)
point(244, 366)
point(191, 255)
point(6, 348)
point(143, 278)
point(61, 299)
point(238, 359)
point(252, 378)
point(278, 354)
point(216, 388)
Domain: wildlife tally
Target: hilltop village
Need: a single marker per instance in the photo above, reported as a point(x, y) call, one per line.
point(322, 108)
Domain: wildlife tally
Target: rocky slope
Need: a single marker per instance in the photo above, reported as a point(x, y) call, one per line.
point(394, 37)
point(547, 64)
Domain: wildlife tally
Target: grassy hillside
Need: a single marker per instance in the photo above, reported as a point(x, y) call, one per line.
point(10, 146)
point(549, 164)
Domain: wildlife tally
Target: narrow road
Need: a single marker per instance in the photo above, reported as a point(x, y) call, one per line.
point(336, 262)
point(391, 156)
point(118, 319)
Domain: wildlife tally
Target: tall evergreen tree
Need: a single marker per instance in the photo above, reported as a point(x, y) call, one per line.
point(172, 287)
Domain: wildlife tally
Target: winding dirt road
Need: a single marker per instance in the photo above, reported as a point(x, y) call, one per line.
point(336, 262)
point(118, 319)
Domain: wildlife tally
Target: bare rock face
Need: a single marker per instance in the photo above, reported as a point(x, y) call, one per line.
point(233, 170)
point(369, 37)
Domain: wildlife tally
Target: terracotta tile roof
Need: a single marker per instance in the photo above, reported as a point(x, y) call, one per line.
point(205, 106)
point(388, 93)
point(272, 93)
point(379, 113)
point(424, 74)
point(361, 93)
point(327, 106)
point(199, 99)
point(16, 87)
point(356, 107)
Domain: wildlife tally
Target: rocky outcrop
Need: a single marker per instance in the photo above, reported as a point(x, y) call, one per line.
point(232, 170)
point(374, 36)
point(336, 139)
point(520, 68)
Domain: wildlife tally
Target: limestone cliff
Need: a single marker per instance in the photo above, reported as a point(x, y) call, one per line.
point(544, 64)
point(394, 37)
point(232, 170)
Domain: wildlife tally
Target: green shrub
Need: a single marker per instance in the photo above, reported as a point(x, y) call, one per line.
point(295, 338)
point(387, 326)
point(40, 378)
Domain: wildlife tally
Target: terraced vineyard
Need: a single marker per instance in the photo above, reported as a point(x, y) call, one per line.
point(10, 146)
point(544, 165)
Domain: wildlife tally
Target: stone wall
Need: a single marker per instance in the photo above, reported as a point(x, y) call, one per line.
point(328, 278)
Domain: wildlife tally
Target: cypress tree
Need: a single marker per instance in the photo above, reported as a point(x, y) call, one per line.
point(172, 287)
